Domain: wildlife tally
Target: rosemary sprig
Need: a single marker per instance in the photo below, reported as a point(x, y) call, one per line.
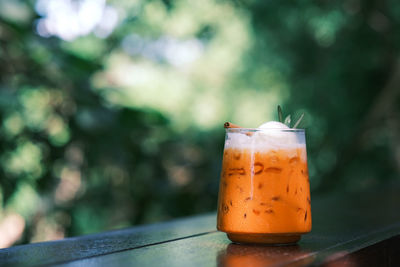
point(288, 118)
point(299, 120)
point(280, 116)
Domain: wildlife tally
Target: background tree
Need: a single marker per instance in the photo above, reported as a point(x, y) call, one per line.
point(112, 112)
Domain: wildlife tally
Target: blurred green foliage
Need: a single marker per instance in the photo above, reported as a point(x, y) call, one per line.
point(102, 131)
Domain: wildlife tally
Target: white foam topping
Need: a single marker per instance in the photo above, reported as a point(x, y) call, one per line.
point(270, 135)
point(273, 125)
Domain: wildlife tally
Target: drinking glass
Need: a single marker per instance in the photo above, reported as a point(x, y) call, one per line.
point(264, 193)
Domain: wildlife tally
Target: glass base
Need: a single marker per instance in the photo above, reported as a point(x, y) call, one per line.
point(266, 239)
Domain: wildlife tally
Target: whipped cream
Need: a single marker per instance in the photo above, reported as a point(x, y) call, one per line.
point(269, 135)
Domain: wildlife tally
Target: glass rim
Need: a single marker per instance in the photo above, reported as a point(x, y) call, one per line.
point(239, 130)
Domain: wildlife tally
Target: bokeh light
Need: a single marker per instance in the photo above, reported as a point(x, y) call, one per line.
point(69, 19)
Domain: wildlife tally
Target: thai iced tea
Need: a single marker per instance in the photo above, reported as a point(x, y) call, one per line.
point(264, 192)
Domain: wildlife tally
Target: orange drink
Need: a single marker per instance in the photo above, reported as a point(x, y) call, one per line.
point(264, 194)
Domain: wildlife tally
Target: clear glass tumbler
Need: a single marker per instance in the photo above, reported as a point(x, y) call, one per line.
point(264, 194)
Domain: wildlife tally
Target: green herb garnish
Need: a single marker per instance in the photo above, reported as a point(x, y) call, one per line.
point(299, 120)
point(280, 116)
point(288, 118)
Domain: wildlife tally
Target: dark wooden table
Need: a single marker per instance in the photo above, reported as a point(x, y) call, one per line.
point(348, 230)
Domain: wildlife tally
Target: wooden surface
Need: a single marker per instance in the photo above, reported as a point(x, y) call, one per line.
point(348, 230)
